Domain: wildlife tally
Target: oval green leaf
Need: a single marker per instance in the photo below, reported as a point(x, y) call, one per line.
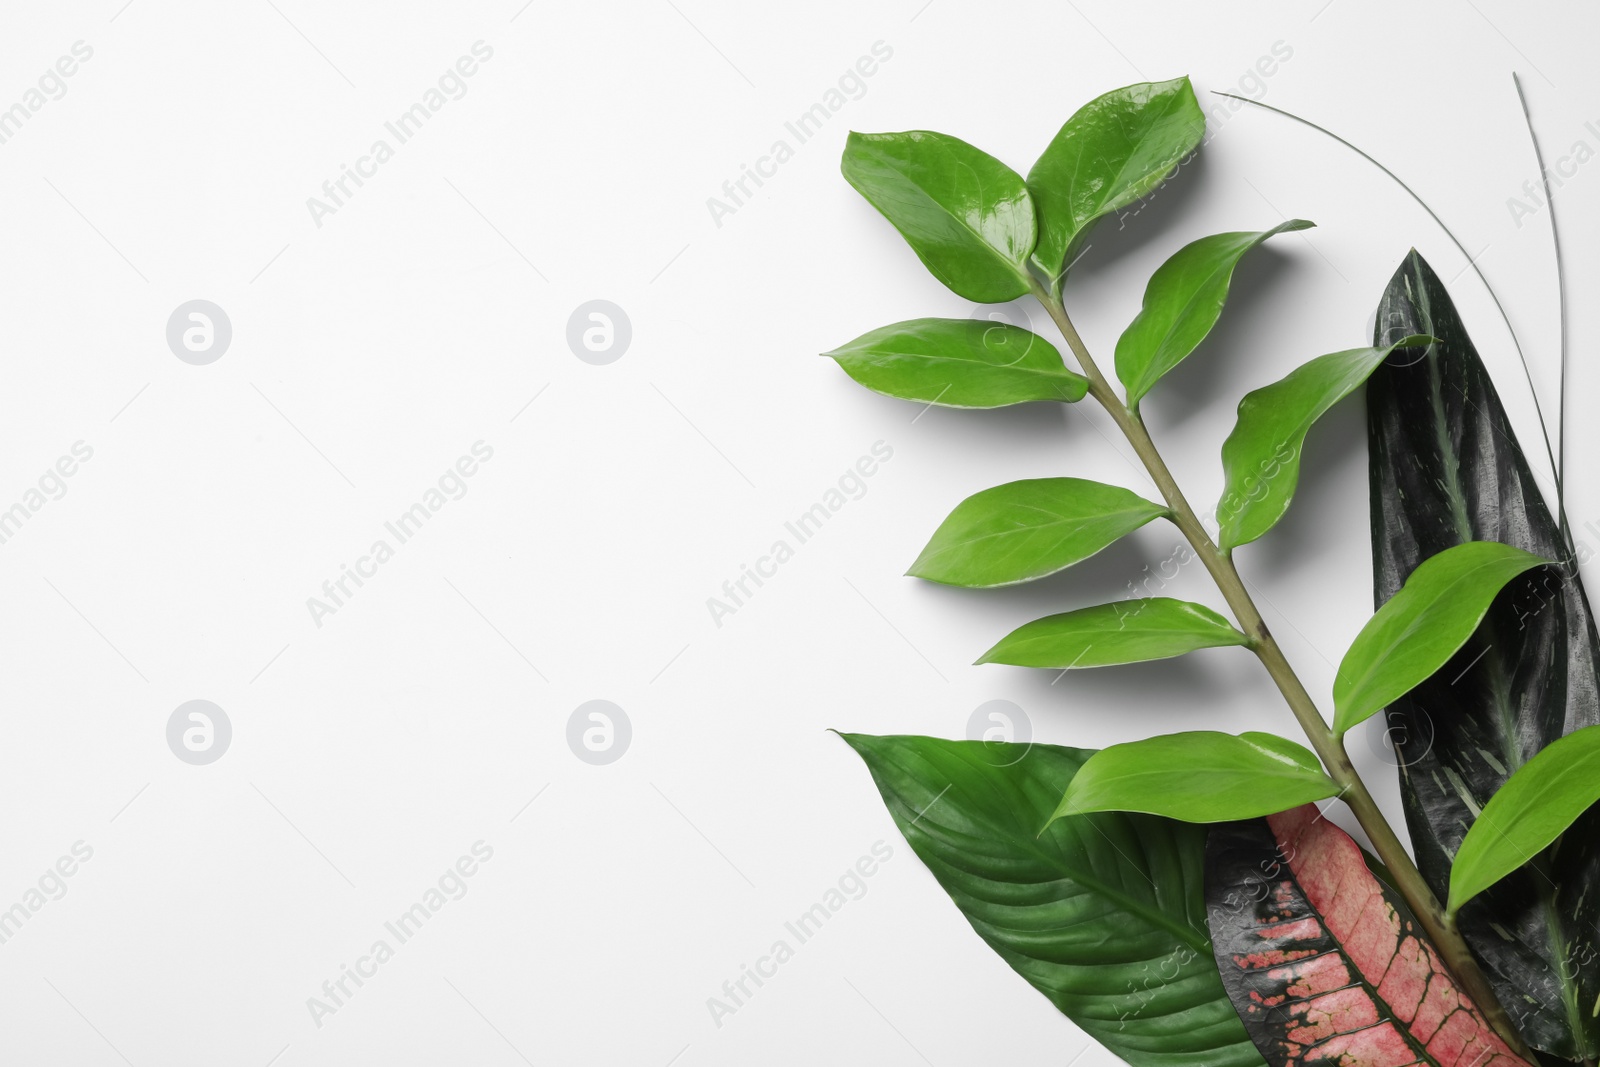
point(1533, 808)
point(967, 215)
point(1104, 915)
point(1128, 631)
point(960, 363)
point(1025, 530)
point(1116, 149)
point(1181, 304)
point(1199, 776)
point(1422, 626)
point(1261, 457)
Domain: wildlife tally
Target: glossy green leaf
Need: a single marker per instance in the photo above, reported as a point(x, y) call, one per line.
point(1182, 302)
point(1025, 530)
point(1103, 914)
point(1128, 631)
point(1535, 806)
point(967, 215)
point(1446, 467)
point(1199, 776)
point(1261, 457)
point(1116, 149)
point(1422, 626)
point(960, 363)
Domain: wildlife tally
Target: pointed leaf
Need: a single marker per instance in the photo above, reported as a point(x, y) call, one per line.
point(1326, 964)
point(1181, 304)
point(1261, 457)
point(965, 214)
point(1116, 149)
point(960, 363)
point(1535, 806)
point(1102, 914)
point(1417, 631)
point(1024, 530)
point(1199, 776)
point(1445, 469)
point(1128, 631)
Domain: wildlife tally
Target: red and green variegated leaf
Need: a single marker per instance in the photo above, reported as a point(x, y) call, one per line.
point(1323, 962)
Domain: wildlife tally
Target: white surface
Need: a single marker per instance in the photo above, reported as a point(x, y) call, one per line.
point(375, 750)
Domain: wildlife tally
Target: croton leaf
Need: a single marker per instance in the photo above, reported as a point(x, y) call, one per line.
point(960, 363)
point(1125, 631)
point(1324, 963)
point(1103, 914)
point(1446, 468)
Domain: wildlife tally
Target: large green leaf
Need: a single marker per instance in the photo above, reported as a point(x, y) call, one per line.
point(1024, 530)
point(1116, 149)
point(1261, 457)
point(1199, 776)
point(1422, 626)
point(960, 363)
point(1536, 805)
point(1103, 914)
point(1127, 631)
point(1181, 304)
point(966, 214)
point(1445, 469)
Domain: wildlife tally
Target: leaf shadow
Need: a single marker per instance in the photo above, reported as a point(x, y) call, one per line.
point(1337, 441)
point(1123, 233)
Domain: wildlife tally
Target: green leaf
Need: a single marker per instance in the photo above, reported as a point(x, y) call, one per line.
point(967, 215)
point(1128, 631)
point(1025, 530)
point(1535, 806)
point(1445, 468)
point(1103, 914)
point(1422, 626)
point(1199, 776)
point(1181, 304)
point(1113, 151)
point(960, 363)
point(1261, 457)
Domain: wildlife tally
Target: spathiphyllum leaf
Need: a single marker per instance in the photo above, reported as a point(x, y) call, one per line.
point(1116, 149)
point(1422, 626)
point(1103, 914)
point(1199, 776)
point(966, 214)
point(1326, 964)
point(1261, 457)
point(1128, 631)
point(1181, 304)
point(1024, 530)
point(1536, 805)
point(1446, 468)
point(960, 363)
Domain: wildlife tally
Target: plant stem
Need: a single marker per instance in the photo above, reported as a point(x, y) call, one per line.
point(1330, 748)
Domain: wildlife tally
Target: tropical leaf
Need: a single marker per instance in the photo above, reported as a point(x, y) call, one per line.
point(1126, 631)
point(1103, 914)
point(1326, 964)
point(1445, 469)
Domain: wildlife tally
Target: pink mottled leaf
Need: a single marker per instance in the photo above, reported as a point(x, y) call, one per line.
point(1324, 963)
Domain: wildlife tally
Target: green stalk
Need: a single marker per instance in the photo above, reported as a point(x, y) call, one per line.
point(1330, 749)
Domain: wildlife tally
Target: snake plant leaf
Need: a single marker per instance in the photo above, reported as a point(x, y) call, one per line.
point(1261, 457)
point(1199, 776)
point(1025, 530)
point(1116, 149)
point(1422, 626)
point(960, 363)
point(965, 214)
point(1536, 805)
point(1182, 302)
point(1103, 914)
point(1126, 631)
point(1325, 963)
point(1445, 468)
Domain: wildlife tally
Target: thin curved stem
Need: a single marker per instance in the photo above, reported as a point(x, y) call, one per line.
point(1329, 748)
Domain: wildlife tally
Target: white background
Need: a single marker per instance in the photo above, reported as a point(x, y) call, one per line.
point(370, 352)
